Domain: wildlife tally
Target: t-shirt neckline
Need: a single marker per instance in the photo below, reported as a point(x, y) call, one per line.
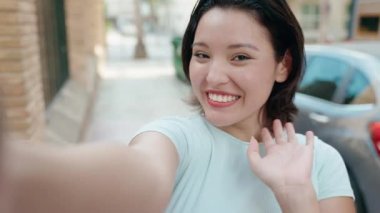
point(222, 132)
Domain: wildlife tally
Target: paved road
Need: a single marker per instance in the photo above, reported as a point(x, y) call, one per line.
point(141, 91)
point(132, 93)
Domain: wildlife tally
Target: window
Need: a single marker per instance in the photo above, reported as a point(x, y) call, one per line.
point(323, 76)
point(310, 16)
point(369, 24)
point(359, 90)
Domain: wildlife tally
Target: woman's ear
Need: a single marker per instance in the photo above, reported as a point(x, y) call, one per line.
point(284, 67)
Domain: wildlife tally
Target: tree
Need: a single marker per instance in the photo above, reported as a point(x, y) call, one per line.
point(140, 51)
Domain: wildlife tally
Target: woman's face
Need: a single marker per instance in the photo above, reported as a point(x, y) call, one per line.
point(233, 69)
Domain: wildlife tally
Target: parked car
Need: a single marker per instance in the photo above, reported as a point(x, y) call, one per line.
point(368, 46)
point(339, 99)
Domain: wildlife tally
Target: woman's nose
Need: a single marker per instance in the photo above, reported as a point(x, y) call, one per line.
point(217, 73)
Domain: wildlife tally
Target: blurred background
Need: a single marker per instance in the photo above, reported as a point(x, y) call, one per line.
point(97, 70)
point(75, 71)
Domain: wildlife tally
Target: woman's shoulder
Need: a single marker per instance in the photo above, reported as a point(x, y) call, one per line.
point(322, 150)
point(176, 122)
point(179, 129)
point(330, 175)
point(324, 153)
point(318, 143)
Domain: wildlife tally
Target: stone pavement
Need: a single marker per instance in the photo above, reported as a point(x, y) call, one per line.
point(132, 93)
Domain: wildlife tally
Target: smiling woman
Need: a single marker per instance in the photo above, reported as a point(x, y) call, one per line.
point(237, 66)
point(244, 59)
point(263, 30)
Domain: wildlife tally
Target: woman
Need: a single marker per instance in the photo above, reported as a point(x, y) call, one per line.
point(244, 59)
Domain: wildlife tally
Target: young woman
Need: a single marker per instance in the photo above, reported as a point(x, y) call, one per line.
point(244, 59)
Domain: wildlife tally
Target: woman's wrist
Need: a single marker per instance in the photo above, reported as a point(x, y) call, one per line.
point(297, 198)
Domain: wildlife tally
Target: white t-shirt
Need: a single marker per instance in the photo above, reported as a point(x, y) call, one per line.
point(214, 174)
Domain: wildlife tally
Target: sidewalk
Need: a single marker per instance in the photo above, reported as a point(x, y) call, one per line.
point(132, 93)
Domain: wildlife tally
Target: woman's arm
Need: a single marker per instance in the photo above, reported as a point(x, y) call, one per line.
point(303, 198)
point(337, 204)
point(93, 178)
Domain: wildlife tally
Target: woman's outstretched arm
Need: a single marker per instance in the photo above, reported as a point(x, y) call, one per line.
point(91, 178)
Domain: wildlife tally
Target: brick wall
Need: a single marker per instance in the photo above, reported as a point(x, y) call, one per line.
point(21, 90)
point(20, 76)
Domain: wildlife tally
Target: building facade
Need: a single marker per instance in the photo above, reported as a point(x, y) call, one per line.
point(323, 20)
point(44, 45)
point(367, 19)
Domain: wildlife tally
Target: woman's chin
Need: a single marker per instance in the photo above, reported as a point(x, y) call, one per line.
point(218, 120)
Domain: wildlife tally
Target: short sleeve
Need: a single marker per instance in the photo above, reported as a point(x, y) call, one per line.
point(173, 128)
point(332, 176)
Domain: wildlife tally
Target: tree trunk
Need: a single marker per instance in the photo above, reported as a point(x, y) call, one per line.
point(153, 12)
point(140, 51)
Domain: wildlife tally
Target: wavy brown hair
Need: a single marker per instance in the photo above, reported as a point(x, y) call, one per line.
point(286, 38)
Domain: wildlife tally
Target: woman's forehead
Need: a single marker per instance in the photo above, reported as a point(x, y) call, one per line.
point(231, 27)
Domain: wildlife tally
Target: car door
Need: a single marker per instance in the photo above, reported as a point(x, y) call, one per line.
point(339, 114)
point(320, 92)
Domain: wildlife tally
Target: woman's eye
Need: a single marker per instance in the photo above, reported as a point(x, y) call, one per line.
point(201, 55)
point(241, 58)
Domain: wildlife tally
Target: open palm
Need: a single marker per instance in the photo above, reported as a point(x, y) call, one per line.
point(287, 163)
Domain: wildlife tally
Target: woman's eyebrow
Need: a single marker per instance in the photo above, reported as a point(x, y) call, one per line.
point(202, 44)
point(234, 46)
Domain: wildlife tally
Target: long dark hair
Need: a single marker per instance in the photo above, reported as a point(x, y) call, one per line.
point(286, 38)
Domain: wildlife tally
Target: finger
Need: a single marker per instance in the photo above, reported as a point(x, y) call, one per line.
point(267, 138)
point(253, 151)
point(278, 131)
point(253, 145)
point(291, 133)
point(310, 138)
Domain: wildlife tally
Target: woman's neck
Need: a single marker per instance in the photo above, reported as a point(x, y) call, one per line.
point(244, 130)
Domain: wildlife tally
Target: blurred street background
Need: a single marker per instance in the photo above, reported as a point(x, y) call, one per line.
point(69, 75)
point(139, 79)
point(97, 70)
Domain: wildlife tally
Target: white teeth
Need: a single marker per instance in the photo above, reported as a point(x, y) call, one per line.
point(222, 98)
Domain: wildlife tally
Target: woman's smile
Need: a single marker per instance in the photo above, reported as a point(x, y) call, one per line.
point(221, 99)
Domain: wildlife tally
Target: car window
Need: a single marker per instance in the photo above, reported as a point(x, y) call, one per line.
point(323, 76)
point(359, 90)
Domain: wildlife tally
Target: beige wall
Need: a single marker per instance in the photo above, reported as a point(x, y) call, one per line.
point(332, 21)
point(338, 19)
